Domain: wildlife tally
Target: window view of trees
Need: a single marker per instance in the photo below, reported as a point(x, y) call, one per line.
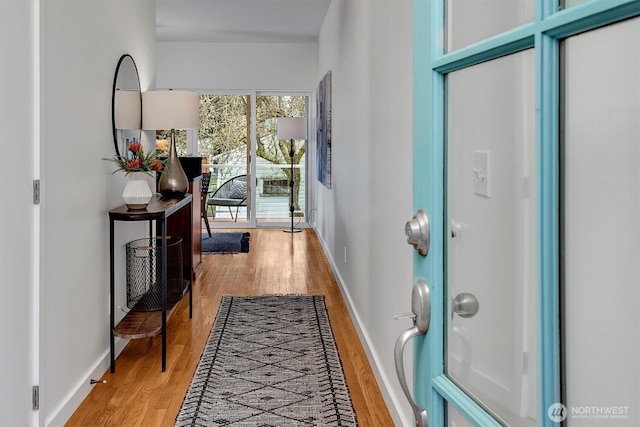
point(225, 126)
point(277, 152)
point(225, 132)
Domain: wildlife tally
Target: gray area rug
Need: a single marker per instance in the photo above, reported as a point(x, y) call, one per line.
point(269, 361)
point(229, 242)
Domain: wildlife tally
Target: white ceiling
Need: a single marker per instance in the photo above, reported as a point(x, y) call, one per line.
point(246, 21)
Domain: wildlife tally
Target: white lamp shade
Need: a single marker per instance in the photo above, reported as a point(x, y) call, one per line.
point(292, 128)
point(170, 109)
point(127, 109)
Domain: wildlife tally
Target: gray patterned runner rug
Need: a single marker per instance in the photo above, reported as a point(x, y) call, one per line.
point(269, 361)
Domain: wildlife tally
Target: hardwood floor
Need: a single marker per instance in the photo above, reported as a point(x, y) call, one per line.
point(139, 394)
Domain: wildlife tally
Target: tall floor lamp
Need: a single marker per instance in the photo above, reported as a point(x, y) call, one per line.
point(292, 128)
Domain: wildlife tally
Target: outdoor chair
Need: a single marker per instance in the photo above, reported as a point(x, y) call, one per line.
point(204, 191)
point(232, 193)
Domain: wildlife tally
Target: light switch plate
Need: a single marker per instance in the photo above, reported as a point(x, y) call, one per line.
point(481, 173)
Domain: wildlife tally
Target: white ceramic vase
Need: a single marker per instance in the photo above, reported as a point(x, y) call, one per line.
point(137, 194)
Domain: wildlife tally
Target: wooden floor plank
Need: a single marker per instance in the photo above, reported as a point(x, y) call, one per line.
point(139, 394)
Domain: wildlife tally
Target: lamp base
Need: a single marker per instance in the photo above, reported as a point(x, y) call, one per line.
point(292, 230)
point(173, 181)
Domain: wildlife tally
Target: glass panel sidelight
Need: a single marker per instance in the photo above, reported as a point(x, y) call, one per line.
point(470, 21)
point(491, 189)
point(273, 167)
point(224, 142)
point(601, 226)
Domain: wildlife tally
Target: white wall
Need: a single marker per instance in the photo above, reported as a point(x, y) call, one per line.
point(82, 42)
point(18, 284)
point(236, 66)
point(367, 44)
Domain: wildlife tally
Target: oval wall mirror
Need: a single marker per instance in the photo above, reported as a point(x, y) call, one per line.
point(126, 104)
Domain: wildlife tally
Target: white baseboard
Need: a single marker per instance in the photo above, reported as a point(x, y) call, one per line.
point(72, 401)
point(391, 400)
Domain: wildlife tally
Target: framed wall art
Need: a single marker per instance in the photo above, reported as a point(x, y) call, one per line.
point(323, 130)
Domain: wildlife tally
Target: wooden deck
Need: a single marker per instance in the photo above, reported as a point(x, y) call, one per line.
point(139, 394)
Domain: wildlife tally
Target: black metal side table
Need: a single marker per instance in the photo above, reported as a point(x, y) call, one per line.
point(170, 214)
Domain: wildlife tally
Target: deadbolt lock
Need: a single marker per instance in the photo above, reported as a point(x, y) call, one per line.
point(417, 232)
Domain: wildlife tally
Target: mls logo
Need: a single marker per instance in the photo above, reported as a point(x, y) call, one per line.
point(557, 412)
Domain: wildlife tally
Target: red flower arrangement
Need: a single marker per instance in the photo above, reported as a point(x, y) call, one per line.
point(137, 160)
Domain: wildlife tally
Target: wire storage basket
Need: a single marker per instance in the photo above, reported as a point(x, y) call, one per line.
point(144, 273)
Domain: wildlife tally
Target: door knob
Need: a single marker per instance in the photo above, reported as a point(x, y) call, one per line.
point(465, 305)
point(417, 232)
point(421, 307)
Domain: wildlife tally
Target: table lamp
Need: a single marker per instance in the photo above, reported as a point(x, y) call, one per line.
point(171, 109)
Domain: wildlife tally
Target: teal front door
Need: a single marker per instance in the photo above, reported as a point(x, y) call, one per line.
point(489, 135)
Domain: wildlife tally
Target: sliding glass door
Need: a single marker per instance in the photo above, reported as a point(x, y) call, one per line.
point(274, 168)
point(224, 143)
point(228, 148)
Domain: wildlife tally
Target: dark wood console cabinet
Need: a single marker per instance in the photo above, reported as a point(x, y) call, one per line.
point(195, 185)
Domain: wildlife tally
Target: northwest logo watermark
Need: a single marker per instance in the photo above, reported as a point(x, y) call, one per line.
point(558, 412)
